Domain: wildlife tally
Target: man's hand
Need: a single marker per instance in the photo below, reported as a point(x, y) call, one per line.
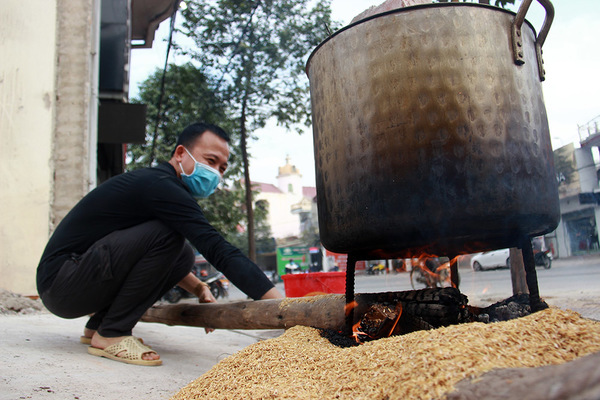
point(202, 291)
point(195, 286)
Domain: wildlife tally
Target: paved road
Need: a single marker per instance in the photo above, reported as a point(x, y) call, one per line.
point(571, 283)
point(562, 279)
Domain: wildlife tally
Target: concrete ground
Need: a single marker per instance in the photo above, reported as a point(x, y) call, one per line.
point(41, 357)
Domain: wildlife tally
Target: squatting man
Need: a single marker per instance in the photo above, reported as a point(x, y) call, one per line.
point(124, 245)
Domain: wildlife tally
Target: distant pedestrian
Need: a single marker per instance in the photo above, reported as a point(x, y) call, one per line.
point(291, 267)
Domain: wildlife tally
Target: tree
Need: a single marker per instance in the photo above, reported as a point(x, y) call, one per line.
point(257, 51)
point(187, 98)
point(265, 243)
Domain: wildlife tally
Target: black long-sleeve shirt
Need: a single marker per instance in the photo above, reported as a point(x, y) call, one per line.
point(136, 197)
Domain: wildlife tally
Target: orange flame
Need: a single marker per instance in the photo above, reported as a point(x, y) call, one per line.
point(349, 307)
point(356, 332)
point(399, 311)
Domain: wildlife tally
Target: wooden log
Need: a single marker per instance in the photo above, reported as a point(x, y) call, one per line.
point(578, 379)
point(436, 306)
point(326, 312)
point(517, 271)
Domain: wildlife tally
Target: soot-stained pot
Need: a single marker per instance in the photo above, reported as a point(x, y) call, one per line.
point(430, 132)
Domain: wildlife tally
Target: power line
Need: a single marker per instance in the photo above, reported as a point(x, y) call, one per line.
point(161, 92)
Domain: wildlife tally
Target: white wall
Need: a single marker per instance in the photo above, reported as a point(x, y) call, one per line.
point(588, 179)
point(586, 169)
point(283, 222)
point(27, 86)
point(283, 182)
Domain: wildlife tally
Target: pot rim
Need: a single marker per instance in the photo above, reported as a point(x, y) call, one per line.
point(406, 9)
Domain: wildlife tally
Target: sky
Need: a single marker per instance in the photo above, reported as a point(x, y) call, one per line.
point(571, 89)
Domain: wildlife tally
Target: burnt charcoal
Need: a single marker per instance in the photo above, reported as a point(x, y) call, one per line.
point(440, 307)
point(338, 339)
point(437, 306)
point(381, 311)
point(513, 307)
point(485, 318)
point(446, 295)
point(417, 310)
point(383, 320)
point(378, 321)
point(521, 298)
point(410, 323)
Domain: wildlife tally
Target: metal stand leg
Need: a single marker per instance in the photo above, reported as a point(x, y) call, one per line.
point(531, 276)
point(350, 268)
point(454, 278)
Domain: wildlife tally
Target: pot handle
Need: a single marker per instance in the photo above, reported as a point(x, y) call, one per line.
point(517, 40)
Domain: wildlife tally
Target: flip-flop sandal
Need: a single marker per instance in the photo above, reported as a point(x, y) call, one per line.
point(88, 340)
point(134, 351)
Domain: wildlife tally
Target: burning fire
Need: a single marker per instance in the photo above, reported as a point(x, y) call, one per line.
point(383, 320)
point(349, 307)
point(383, 324)
point(356, 332)
point(399, 311)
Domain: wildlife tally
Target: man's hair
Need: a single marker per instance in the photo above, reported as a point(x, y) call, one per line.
point(190, 134)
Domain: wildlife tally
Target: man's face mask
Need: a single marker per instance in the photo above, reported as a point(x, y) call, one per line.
point(203, 180)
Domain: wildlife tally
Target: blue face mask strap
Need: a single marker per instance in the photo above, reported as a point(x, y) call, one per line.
point(181, 166)
point(190, 154)
point(201, 165)
point(195, 162)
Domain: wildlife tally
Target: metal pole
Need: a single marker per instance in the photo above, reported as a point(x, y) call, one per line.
point(535, 302)
point(350, 268)
point(454, 278)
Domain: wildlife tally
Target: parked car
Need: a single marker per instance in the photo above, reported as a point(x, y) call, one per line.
point(491, 260)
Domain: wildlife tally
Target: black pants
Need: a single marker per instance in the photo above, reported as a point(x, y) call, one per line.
point(119, 277)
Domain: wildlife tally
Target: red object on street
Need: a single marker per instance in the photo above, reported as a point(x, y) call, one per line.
point(314, 283)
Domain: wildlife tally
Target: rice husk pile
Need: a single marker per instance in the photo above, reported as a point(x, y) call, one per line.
point(301, 364)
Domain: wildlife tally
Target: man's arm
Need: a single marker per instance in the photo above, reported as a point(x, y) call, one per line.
point(200, 289)
point(195, 286)
point(172, 204)
point(273, 293)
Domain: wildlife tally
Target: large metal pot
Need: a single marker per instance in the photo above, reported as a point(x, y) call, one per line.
point(430, 132)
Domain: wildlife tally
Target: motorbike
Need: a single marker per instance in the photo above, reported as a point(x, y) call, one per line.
point(219, 286)
point(543, 258)
point(375, 269)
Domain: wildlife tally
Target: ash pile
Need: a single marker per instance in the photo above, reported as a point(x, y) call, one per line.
point(513, 307)
point(15, 304)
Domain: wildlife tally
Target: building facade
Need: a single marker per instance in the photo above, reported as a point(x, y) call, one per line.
point(579, 193)
point(292, 207)
point(64, 113)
